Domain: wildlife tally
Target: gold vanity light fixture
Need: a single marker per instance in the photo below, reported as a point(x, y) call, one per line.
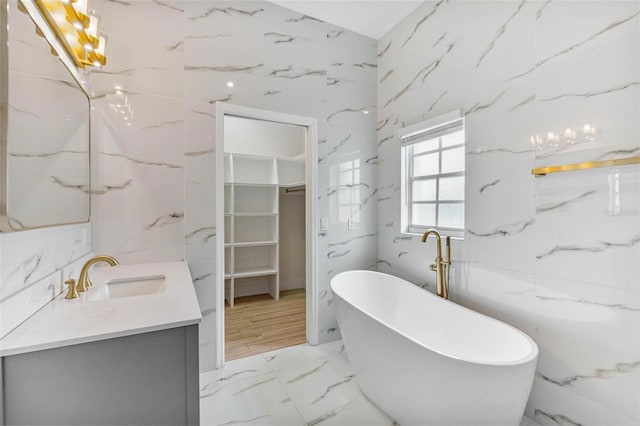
point(77, 29)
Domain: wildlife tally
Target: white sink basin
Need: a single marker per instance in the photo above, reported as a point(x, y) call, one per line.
point(117, 288)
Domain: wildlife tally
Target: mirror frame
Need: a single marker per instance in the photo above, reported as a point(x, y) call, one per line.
point(5, 222)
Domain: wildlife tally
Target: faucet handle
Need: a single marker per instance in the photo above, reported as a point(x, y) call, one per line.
point(72, 293)
point(433, 267)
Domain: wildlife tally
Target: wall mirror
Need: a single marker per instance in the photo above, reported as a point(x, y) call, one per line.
point(44, 132)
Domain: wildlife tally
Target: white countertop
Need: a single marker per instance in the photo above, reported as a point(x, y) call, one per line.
point(92, 317)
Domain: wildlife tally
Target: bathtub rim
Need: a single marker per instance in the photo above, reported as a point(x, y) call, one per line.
point(531, 356)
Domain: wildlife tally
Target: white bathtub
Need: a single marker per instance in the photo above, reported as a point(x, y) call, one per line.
point(428, 361)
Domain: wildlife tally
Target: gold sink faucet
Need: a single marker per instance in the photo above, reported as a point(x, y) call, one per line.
point(83, 280)
point(441, 267)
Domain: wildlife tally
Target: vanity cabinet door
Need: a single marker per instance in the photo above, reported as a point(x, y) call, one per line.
point(144, 379)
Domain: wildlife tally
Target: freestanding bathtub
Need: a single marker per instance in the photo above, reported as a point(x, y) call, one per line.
point(425, 360)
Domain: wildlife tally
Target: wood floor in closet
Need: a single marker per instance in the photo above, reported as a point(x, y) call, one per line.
point(258, 324)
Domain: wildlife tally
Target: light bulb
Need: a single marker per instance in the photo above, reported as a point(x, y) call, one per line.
point(230, 84)
point(88, 47)
point(77, 25)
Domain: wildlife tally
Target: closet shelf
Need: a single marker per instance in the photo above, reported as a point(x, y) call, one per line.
point(255, 243)
point(251, 214)
point(254, 273)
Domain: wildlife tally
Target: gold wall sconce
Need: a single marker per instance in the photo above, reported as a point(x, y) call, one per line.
point(77, 29)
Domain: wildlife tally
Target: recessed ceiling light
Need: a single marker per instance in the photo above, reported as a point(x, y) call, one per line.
point(230, 84)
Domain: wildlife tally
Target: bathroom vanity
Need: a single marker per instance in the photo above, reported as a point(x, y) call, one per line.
point(124, 353)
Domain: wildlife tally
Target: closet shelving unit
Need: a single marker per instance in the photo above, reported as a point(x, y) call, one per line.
point(251, 193)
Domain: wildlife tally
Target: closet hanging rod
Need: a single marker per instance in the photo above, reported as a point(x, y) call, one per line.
point(288, 190)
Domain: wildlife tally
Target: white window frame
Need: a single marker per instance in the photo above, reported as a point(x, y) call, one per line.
point(411, 135)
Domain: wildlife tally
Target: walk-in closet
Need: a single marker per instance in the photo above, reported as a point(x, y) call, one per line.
point(264, 236)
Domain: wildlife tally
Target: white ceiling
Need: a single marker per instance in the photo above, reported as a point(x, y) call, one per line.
point(372, 18)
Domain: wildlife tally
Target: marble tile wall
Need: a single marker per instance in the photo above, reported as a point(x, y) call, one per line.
point(154, 161)
point(556, 256)
point(33, 263)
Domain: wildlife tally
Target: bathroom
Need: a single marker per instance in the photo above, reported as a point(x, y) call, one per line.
point(539, 83)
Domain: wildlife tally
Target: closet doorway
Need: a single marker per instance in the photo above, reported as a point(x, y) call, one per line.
point(266, 231)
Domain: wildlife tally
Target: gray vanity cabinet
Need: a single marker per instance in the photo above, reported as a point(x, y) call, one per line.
point(143, 379)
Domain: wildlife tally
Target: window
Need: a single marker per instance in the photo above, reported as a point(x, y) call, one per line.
point(433, 165)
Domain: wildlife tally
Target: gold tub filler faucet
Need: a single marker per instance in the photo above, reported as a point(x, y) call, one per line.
point(441, 267)
point(83, 280)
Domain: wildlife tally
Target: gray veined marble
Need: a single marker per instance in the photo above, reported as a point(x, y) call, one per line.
point(402, 238)
point(374, 266)
point(596, 247)
point(272, 92)
point(508, 230)
point(250, 69)
point(277, 38)
point(372, 161)
point(202, 277)
point(480, 106)
point(303, 18)
point(25, 112)
point(227, 11)
point(482, 151)
point(177, 47)
point(554, 206)
point(356, 238)
point(499, 33)
point(589, 302)
point(167, 5)
point(223, 99)
point(385, 139)
point(308, 373)
point(209, 37)
point(437, 42)
point(366, 65)
point(544, 6)
point(120, 2)
point(333, 34)
point(163, 124)
point(204, 234)
point(332, 386)
point(434, 103)
point(332, 81)
point(559, 419)
point(423, 74)
point(488, 185)
point(592, 93)
point(142, 162)
point(345, 110)
point(384, 77)
point(424, 19)
point(386, 48)
point(78, 187)
point(292, 73)
point(164, 220)
point(575, 46)
point(332, 254)
point(45, 154)
point(335, 148)
point(618, 153)
point(382, 123)
point(522, 103)
point(107, 188)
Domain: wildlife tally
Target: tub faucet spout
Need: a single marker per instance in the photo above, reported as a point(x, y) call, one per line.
point(441, 266)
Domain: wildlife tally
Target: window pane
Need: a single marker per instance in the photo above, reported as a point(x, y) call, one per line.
point(346, 178)
point(423, 214)
point(344, 196)
point(343, 213)
point(426, 165)
point(355, 196)
point(452, 188)
point(451, 215)
point(455, 138)
point(424, 190)
point(425, 146)
point(453, 160)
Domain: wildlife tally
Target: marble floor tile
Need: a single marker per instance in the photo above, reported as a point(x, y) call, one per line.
point(300, 385)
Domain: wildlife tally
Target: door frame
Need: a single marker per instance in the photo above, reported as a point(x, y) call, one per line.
point(311, 219)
